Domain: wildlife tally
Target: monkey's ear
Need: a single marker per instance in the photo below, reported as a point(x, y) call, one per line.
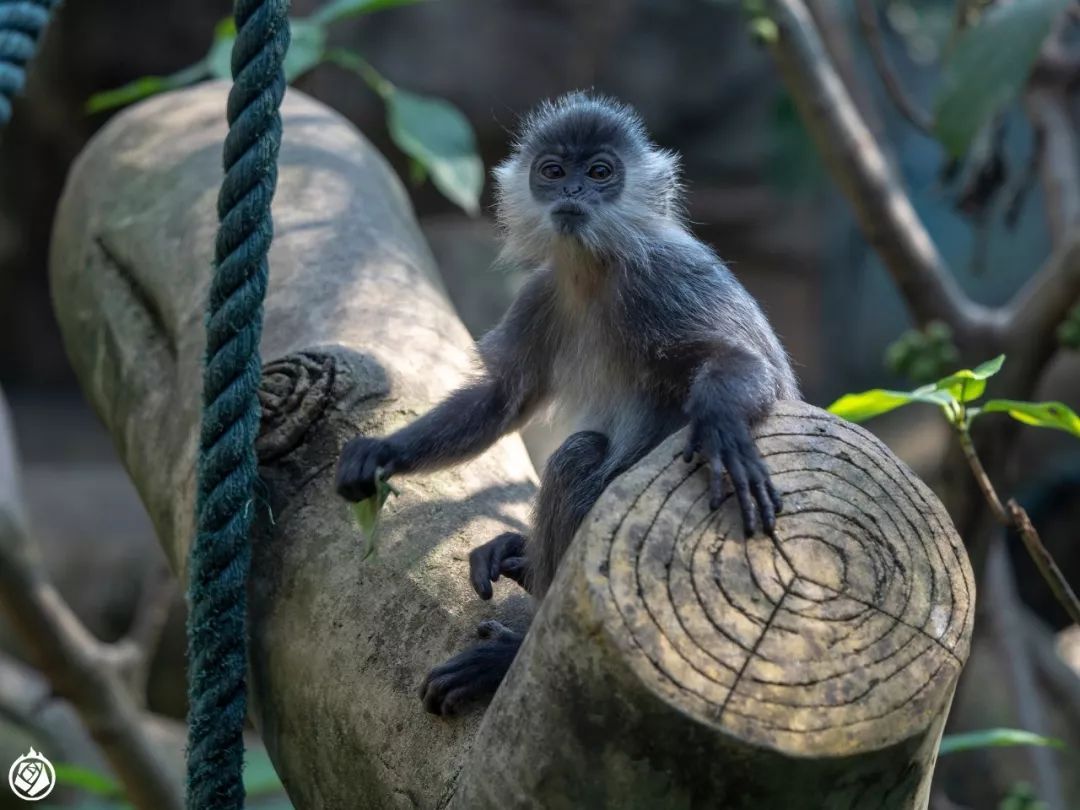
point(665, 170)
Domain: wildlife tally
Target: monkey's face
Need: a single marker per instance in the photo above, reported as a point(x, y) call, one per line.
point(573, 185)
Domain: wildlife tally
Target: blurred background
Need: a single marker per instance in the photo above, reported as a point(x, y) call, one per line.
point(758, 192)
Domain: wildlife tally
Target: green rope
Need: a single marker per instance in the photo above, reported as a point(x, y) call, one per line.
point(21, 24)
point(228, 472)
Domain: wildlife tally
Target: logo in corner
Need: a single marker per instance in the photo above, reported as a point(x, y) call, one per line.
point(32, 777)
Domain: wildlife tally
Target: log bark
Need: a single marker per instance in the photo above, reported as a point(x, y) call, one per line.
point(673, 665)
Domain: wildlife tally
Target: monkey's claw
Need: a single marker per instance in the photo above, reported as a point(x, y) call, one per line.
point(503, 556)
point(473, 674)
point(730, 449)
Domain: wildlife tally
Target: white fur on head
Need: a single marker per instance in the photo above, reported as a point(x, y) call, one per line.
point(651, 196)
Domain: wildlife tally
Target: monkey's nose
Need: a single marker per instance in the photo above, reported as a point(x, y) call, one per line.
point(572, 191)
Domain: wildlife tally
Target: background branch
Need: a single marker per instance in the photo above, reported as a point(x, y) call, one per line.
point(871, 31)
point(84, 670)
point(882, 207)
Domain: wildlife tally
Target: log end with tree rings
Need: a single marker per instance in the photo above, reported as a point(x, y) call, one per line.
point(841, 632)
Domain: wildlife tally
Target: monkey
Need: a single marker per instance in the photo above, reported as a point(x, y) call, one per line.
point(627, 323)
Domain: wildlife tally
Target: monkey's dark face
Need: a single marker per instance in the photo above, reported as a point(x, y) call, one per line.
point(572, 183)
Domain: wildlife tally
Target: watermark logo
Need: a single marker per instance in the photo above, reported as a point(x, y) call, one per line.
point(32, 777)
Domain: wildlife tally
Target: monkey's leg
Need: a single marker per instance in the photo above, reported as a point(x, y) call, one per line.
point(574, 478)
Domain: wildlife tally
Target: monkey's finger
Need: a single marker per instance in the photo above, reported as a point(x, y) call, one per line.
point(765, 504)
point(693, 443)
point(774, 496)
point(480, 571)
point(741, 484)
point(514, 568)
point(716, 482)
point(493, 628)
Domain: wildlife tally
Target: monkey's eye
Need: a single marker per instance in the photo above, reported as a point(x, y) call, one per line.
point(551, 171)
point(600, 172)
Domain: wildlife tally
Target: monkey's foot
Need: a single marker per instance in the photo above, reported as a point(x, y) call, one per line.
point(473, 674)
point(503, 556)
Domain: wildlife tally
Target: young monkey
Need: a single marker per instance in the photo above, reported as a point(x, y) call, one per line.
point(628, 323)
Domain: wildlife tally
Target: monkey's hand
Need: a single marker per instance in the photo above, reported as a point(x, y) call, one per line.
point(725, 444)
point(503, 556)
point(357, 466)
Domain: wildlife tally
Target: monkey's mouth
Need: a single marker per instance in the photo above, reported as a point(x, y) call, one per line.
point(568, 216)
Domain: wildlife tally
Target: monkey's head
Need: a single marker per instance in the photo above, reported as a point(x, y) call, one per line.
point(583, 169)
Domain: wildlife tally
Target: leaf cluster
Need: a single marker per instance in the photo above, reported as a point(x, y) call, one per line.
point(433, 133)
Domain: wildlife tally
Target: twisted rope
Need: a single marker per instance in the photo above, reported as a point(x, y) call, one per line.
point(221, 554)
point(21, 24)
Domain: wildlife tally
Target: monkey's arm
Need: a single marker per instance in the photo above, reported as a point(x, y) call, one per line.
point(731, 390)
point(512, 383)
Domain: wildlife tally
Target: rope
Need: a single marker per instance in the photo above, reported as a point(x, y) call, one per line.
point(228, 472)
point(21, 24)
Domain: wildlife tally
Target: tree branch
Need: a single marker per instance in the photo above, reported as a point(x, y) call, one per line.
point(881, 205)
point(871, 31)
point(81, 668)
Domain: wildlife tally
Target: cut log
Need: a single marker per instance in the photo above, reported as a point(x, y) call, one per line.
point(673, 664)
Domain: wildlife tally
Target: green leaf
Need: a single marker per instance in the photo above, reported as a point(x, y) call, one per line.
point(1055, 415)
point(988, 67)
point(994, 738)
point(219, 60)
point(863, 406)
point(436, 134)
point(307, 49)
point(343, 9)
point(367, 512)
point(970, 384)
point(260, 778)
point(145, 87)
point(89, 781)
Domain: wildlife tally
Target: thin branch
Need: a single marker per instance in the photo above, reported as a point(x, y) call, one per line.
point(1049, 112)
point(883, 209)
point(82, 669)
point(1043, 560)
point(1005, 613)
point(159, 589)
point(981, 478)
point(1033, 315)
point(875, 42)
point(1012, 516)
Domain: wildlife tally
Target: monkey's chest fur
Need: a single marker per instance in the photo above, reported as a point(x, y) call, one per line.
point(605, 379)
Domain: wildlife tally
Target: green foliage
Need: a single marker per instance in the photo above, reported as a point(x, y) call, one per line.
point(967, 385)
point(988, 67)
point(994, 738)
point(923, 356)
point(344, 9)
point(261, 783)
point(1056, 415)
point(952, 394)
point(367, 513)
point(1021, 796)
point(1068, 331)
point(434, 134)
point(88, 781)
point(868, 404)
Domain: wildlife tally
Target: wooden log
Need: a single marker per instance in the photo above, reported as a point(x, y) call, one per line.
point(673, 665)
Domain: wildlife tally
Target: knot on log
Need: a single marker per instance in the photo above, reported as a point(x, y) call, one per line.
point(294, 394)
point(843, 633)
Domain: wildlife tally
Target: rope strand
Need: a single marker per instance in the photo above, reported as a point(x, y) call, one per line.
point(228, 471)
